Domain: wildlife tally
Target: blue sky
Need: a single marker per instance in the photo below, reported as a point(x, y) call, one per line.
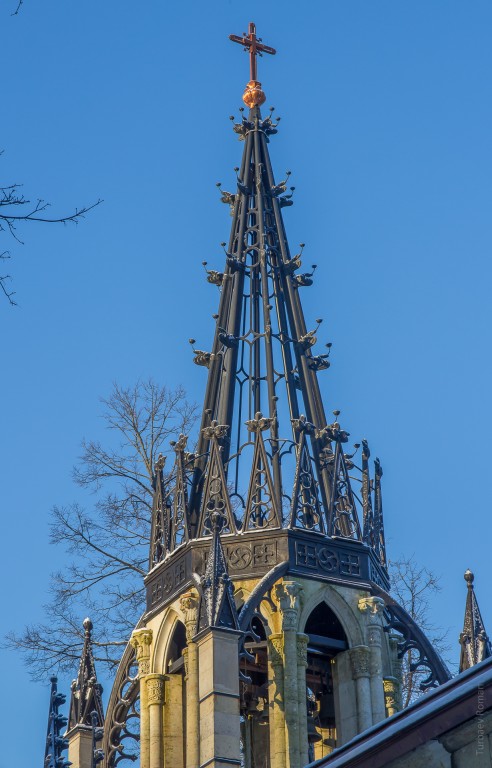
point(386, 125)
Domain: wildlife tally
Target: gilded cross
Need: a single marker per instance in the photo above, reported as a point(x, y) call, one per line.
point(254, 45)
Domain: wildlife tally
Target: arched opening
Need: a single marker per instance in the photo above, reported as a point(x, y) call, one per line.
point(175, 705)
point(174, 659)
point(255, 744)
point(327, 638)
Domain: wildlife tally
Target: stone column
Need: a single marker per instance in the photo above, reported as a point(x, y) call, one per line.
point(220, 731)
point(80, 746)
point(155, 701)
point(174, 736)
point(276, 700)
point(288, 593)
point(391, 695)
point(360, 658)
point(302, 641)
point(189, 606)
point(373, 608)
point(141, 640)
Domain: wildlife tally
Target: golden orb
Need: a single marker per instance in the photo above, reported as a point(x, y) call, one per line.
point(253, 96)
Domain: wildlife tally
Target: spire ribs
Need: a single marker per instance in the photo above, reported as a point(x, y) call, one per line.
point(287, 468)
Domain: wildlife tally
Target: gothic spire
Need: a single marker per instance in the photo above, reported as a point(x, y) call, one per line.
point(217, 607)
point(475, 644)
point(86, 691)
point(266, 456)
point(55, 743)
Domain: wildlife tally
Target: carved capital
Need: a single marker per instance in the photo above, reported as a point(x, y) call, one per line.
point(155, 689)
point(391, 695)
point(141, 640)
point(302, 643)
point(288, 595)
point(276, 650)
point(371, 606)
point(189, 606)
point(360, 660)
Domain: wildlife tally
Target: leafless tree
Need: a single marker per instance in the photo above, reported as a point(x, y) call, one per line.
point(414, 588)
point(16, 209)
point(107, 544)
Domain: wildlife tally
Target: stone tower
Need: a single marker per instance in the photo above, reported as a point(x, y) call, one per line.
point(269, 637)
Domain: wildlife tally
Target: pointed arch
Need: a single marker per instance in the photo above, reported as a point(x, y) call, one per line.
point(344, 612)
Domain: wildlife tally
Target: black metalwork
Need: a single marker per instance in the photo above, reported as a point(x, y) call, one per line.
point(267, 458)
point(217, 607)
point(55, 743)
point(121, 740)
point(97, 755)
point(413, 639)
point(86, 691)
point(474, 641)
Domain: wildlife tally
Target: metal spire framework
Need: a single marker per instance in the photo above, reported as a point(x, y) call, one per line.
point(268, 462)
point(474, 641)
point(55, 743)
point(86, 691)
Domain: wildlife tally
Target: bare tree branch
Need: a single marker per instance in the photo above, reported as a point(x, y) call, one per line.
point(15, 209)
point(414, 588)
point(108, 543)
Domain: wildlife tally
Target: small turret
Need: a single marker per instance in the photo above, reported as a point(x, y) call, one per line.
point(474, 641)
point(86, 709)
point(217, 607)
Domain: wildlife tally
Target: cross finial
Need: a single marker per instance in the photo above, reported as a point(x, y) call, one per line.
point(253, 95)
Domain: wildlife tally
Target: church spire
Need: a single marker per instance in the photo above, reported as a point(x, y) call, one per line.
point(266, 456)
point(86, 691)
point(475, 644)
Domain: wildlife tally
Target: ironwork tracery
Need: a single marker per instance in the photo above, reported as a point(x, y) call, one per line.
point(121, 742)
point(267, 456)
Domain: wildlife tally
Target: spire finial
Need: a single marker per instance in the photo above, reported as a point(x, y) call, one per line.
point(475, 644)
point(253, 95)
point(217, 607)
point(86, 691)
